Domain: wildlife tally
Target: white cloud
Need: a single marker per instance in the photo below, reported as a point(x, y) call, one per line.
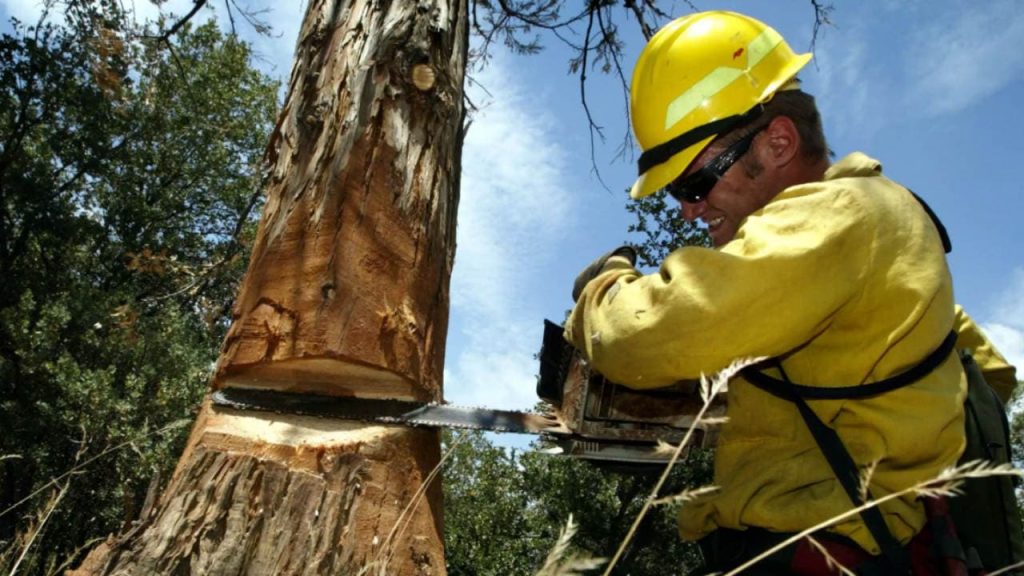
point(963, 54)
point(273, 52)
point(514, 206)
point(486, 376)
point(918, 60)
point(27, 11)
point(846, 92)
point(1009, 341)
point(512, 199)
point(1010, 303)
point(1006, 325)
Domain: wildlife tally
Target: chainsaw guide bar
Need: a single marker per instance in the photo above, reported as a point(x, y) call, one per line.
point(593, 418)
point(388, 411)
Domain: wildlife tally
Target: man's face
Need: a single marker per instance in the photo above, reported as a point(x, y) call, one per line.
point(741, 191)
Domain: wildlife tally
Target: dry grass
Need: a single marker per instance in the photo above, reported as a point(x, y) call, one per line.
point(708, 390)
point(830, 561)
point(27, 536)
point(560, 563)
point(948, 483)
point(378, 566)
point(1006, 569)
point(865, 480)
point(15, 553)
point(80, 466)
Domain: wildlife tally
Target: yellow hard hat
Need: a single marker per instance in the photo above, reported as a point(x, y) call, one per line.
point(700, 76)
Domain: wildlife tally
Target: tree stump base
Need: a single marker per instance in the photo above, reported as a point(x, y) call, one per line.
point(285, 494)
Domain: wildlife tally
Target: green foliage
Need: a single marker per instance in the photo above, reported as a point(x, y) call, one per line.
point(488, 521)
point(662, 228)
point(504, 510)
point(129, 180)
point(1016, 417)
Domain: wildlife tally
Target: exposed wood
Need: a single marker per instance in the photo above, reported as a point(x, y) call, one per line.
point(346, 294)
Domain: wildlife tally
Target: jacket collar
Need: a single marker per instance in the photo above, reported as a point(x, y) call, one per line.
point(856, 164)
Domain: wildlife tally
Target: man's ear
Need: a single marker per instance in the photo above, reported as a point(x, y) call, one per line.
point(783, 141)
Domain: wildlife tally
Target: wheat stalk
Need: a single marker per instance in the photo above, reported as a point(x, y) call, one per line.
point(71, 557)
point(715, 421)
point(685, 496)
point(76, 469)
point(405, 518)
point(947, 483)
point(865, 480)
point(830, 561)
point(1006, 569)
point(708, 390)
point(572, 565)
point(37, 529)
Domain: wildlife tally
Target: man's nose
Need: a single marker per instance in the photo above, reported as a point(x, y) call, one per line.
point(692, 211)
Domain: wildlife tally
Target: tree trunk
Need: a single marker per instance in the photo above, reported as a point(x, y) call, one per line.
point(346, 294)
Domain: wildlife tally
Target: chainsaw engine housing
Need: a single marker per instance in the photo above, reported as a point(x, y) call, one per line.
point(611, 422)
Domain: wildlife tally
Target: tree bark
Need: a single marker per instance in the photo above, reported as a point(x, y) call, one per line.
point(346, 294)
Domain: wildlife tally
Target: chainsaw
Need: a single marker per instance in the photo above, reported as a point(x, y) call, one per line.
point(585, 415)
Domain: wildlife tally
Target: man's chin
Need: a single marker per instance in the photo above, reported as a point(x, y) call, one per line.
point(719, 237)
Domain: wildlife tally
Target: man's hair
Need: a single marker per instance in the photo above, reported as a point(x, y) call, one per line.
point(799, 107)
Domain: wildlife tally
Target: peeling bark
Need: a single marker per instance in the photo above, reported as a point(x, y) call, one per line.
point(346, 294)
point(350, 270)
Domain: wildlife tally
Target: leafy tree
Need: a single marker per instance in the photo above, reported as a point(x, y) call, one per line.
point(1016, 419)
point(662, 229)
point(505, 509)
point(129, 172)
point(489, 526)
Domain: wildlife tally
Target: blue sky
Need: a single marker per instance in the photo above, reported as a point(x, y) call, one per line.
point(930, 88)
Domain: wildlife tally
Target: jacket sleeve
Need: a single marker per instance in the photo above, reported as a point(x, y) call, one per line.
point(773, 287)
point(999, 374)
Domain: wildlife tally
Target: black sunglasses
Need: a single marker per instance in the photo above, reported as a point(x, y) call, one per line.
point(696, 187)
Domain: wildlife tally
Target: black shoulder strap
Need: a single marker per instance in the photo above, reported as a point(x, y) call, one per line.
point(831, 446)
point(915, 373)
point(947, 244)
point(896, 557)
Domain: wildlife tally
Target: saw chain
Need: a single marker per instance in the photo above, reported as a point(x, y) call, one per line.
point(388, 411)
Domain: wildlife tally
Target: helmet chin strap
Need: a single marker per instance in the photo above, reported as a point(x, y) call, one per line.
point(662, 152)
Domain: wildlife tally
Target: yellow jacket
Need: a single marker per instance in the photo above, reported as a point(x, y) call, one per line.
point(846, 281)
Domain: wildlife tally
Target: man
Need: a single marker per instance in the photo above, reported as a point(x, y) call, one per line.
point(834, 270)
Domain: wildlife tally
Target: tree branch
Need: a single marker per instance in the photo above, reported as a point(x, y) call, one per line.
point(593, 126)
point(822, 13)
point(184, 20)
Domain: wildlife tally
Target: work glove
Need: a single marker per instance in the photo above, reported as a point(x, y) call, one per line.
point(597, 266)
